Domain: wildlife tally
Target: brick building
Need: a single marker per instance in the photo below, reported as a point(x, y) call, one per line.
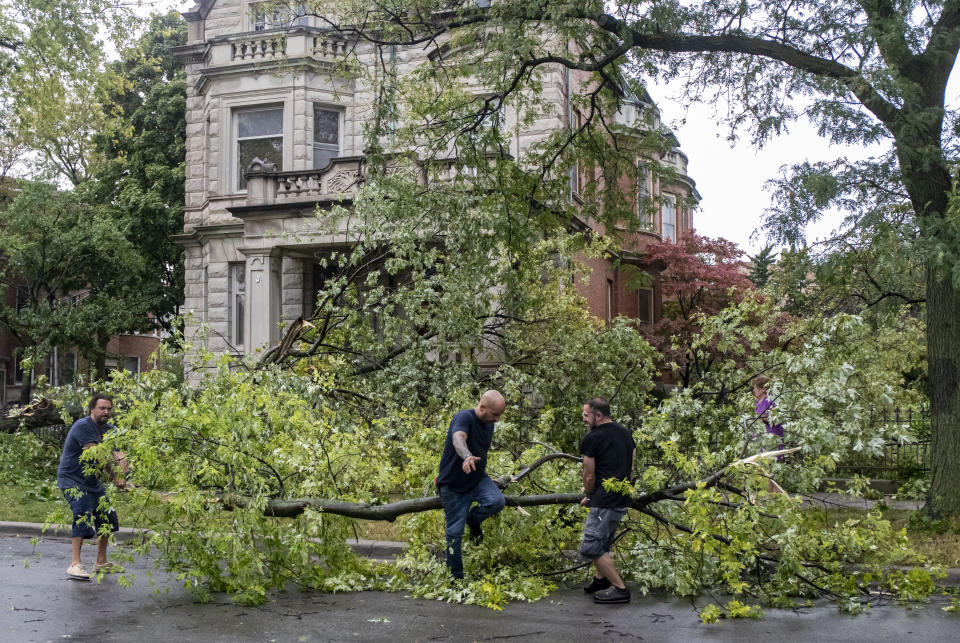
point(261, 85)
point(131, 352)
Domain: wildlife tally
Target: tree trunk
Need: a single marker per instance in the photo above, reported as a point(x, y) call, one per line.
point(943, 358)
point(929, 184)
point(43, 413)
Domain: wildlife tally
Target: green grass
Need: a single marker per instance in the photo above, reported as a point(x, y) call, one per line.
point(938, 542)
point(39, 503)
point(30, 504)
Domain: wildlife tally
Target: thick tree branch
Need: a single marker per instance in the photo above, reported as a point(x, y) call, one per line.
point(391, 511)
point(886, 112)
point(41, 413)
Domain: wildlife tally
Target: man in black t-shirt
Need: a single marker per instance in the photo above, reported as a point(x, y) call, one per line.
point(608, 451)
point(463, 476)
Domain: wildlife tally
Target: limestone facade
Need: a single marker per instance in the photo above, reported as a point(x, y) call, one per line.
point(255, 89)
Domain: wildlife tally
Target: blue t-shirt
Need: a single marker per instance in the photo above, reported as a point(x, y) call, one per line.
point(70, 472)
point(479, 437)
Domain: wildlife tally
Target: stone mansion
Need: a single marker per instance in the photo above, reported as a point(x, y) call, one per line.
point(261, 85)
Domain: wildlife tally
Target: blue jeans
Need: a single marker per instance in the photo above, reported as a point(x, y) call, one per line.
point(457, 512)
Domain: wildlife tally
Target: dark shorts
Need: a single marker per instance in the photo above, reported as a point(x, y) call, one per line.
point(599, 532)
point(88, 518)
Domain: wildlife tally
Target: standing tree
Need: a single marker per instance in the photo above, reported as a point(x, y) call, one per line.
point(760, 266)
point(696, 281)
point(70, 265)
point(52, 60)
point(139, 184)
point(868, 71)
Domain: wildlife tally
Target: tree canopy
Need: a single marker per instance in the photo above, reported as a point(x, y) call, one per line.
point(863, 72)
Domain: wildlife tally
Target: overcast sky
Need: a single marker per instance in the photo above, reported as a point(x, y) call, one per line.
point(731, 178)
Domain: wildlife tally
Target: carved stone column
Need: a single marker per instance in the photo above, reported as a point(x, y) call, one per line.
point(261, 323)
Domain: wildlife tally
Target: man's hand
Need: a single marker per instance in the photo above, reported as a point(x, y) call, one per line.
point(470, 463)
point(585, 502)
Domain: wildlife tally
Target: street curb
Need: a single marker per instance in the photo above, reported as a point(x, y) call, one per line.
point(373, 549)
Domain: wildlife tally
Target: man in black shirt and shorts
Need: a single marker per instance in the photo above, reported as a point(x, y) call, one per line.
point(608, 451)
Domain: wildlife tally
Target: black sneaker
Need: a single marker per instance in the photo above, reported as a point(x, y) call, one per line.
point(596, 585)
point(475, 532)
point(612, 595)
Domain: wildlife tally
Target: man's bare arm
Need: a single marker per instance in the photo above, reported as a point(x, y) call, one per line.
point(589, 475)
point(460, 446)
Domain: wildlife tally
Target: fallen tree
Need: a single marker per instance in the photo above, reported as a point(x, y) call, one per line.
point(391, 511)
point(41, 413)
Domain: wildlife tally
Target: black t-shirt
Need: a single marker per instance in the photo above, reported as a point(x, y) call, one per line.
point(479, 436)
point(611, 446)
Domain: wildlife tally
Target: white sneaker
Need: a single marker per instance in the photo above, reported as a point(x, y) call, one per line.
point(78, 572)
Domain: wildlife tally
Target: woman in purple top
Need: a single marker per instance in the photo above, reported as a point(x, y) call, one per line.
point(760, 385)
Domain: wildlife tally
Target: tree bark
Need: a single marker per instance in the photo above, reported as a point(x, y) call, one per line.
point(943, 359)
point(391, 511)
point(43, 413)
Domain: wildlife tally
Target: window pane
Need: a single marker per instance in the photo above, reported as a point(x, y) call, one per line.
point(261, 122)
point(68, 368)
point(322, 155)
point(326, 126)
point(669, 232)
point(238, 288)
point(266, 149)
point(131, 364)
point(669, 219)
point(645, 306)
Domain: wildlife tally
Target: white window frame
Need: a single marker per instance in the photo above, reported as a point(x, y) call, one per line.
point(261, 22)
point(235, 136)
point(668, 204)
point(127, 358)
point(644, 191)
point(236, 303)
point(326, 146)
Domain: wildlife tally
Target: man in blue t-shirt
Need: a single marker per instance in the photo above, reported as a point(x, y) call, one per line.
point(82, 487)
point(463, 475)
point(608, 451)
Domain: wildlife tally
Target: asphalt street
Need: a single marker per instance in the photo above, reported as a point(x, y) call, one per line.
point(40, 604)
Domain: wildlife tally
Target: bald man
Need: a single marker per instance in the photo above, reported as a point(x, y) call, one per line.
point(463, 477)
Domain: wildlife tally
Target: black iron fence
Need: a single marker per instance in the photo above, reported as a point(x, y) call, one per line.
point(898, 460)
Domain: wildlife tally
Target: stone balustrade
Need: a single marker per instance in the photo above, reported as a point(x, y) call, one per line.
point(267, 186)
point(254, 48)
point(329, 48)
point(678, 160)
point(277, 46)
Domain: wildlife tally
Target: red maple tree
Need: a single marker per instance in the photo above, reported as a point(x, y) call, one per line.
point(697, 275)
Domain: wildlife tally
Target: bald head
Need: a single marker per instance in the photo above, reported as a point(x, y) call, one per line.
point(491, 406)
